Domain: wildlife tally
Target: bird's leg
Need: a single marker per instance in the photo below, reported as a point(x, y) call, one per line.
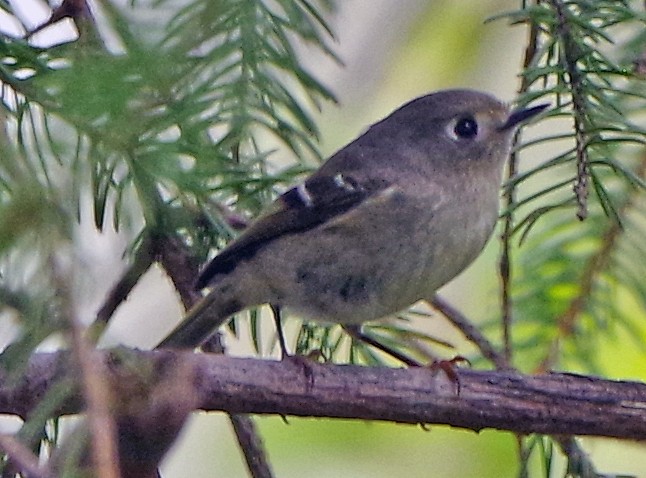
point(355, 332)
point(449, 367)
point(275, 310)
point(298, 359)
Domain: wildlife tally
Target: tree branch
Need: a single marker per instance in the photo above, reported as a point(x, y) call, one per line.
point(550, 404)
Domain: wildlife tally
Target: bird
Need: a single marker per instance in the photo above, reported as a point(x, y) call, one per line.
point(382, 224)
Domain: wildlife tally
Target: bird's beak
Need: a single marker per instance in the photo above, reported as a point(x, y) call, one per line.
point(521, 114)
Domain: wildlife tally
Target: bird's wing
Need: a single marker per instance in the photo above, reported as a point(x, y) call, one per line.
point(314, 202)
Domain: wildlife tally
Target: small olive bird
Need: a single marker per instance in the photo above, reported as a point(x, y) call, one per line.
point(383, 223)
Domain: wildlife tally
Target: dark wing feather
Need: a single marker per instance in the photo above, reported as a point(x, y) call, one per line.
point(317, 201)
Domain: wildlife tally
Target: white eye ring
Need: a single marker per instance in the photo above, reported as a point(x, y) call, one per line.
point(462, 128)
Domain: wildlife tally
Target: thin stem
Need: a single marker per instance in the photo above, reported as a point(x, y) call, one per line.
point(355, 332)
point(143, 259)
point(504, 265)
point(579, 463)
point(470, 331)
point(97, 393)
point(22, 458)
point(252, 445)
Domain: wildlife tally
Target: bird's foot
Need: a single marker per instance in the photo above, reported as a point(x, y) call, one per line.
point(450, 369)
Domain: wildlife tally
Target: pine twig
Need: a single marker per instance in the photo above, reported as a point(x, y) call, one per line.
point(595, 264)
point(579, 107)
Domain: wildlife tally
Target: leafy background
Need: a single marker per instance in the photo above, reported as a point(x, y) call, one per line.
point(96, 120)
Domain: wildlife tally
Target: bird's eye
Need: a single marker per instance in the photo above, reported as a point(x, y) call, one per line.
point(466, 128)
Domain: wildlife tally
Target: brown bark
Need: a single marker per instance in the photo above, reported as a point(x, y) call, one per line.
point(551, 404)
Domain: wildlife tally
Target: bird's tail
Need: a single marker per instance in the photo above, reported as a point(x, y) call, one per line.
point(202, 320)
